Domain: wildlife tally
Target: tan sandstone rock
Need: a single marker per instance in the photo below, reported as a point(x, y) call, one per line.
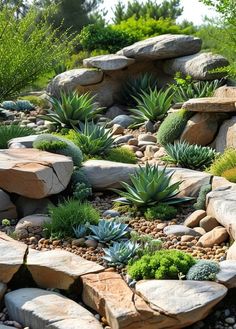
point(38, 309)
point(58, 268)
point(208, 223)
point(226, 136)
point(194, 219)
point(34, 174)
point(210, 104)
point(30, 224)
point(225, 92)
point(231, 253)
point(216, 236)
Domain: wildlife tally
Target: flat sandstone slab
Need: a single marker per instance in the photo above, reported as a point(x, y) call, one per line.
point(210, 104)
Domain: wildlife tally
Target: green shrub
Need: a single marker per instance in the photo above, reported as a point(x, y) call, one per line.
point(164, 264)
point(190, 156)
point(12, 131)
point(96, 36)
point(173, 126)
point(161, 212)
point(121, 154)
point(68, 215)
point(151, 106)
point(94, 139)
point(82, 191)
point(201, 199)
point(71, 150)
point(72, 109)
point(135, 85)
point(224, 162)
point(203, 270)
point(29, 48)
point(150, 186)
point(230, 174)
point(49, 146)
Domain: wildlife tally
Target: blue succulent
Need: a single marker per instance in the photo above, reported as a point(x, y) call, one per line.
point(120, 252)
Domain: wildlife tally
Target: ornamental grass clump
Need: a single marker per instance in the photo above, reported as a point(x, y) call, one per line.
point(190, 156)
point(225, 165)
point(12, 131)
point(150, 185)
point(164, 264)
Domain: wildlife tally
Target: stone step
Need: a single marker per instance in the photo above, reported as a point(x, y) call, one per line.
point(210, 104)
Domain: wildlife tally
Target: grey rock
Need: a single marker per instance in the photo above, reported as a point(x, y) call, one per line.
point(26, 206)
point(123, 139)
point(198, 66)
point(114, 111)
point(111, 213)
point(163, 47)
point(123, 120)
point(226, 136)
point(109, 62)
point(227, 274)
point(147, 138)
point(22, 142)
point(31, 224)
point(179, 230)
point(7, 208)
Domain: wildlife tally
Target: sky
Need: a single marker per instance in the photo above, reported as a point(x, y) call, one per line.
point(194, 10)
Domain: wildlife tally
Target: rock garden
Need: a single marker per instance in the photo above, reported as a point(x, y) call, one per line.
point(118, 194)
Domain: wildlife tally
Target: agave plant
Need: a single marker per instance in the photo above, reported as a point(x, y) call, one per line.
point(150, 186)
point(107, 231)
point(81, 230)
point(12, 131)
point(93, 139)
point(71, 109)
point(190, 156)
point(120, 252)
point(152, 105)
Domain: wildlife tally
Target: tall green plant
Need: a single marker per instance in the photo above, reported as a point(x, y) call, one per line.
point(12, 131)
point(29, 47)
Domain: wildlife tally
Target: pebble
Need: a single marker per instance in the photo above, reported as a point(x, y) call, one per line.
point(230, 320)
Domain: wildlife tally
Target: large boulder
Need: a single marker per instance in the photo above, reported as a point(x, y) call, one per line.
point(226, 136)
point(225, 92)
point(185, 302)
point(201, 129)
point(70, 80)
point(210, 104)
point(7, 208)
point(58, 268)
point(39, 309)
point(12, 254)
point(163, 47)
point(231, 253)
point(108, 62)
point(227, 273)
point(198, 66)
point(221, 204)
point(34, 174)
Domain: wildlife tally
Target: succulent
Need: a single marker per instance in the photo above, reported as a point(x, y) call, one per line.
point(201, 199)
point(120, 252)
point(191, 156)
point(148, 245)
point(24, 105)
point(81, 230)
point(71, 109)
point(172, 127)
point(94, 139)
point(9, 105)
point(150, 186)
point(107, 231)
point(203, 270)
point(151, 106)
point(82, 191)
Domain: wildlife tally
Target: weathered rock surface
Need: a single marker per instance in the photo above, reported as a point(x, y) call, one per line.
point(198, 66)
point(221, 204)
point(179, 230)
point(201, 129)
point(11, 257)
point(226, 136)
point(162, 47)
point(193, 220)
point(70, 80)
point(227, 274)
point(3, 289)
point(218, 235)
point(210, 104)
point(231, 253)
point(225, 92)
point(208, 223)
point(26, 206)
point(123, 120)
point(58, 268)
point(30, 224)
point(188, 302)
point(108, 62)
point(22, 142)
point(7, 208)
point(39, 309)
point(218, 181)
point(115, 110)
point(34, 174)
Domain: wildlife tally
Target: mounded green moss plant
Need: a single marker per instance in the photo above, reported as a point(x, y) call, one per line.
point(12, 131)
point(49, 146)
point(203, 270)
point(121, 154)
point(224, 162)
point(201, 199)
point(172, 127)
point(161, 212)
point(67, 215)
point(70, 150)
point(164, 264)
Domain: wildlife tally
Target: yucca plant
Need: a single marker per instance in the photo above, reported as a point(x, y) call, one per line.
point(120, 253)
point(12, 131)
point(71, 109)
point(107, 231)
point(151, 106)
point(190, 156)
point(135, 85)
point(93, 139)
point(150, 186)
